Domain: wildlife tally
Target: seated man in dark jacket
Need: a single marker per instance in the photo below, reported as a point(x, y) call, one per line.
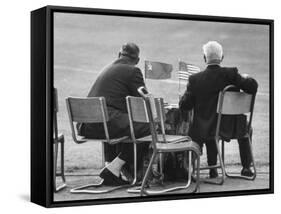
point(201, 95)
point(115, 82)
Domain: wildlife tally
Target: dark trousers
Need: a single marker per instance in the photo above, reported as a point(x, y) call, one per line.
point(118, 126)
point(126, 151)
point(244, 149)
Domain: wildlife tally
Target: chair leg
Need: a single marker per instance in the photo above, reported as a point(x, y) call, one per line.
point(62, 161)
point(222, 150)
point(63, 185)
point(189, 168)
point(221, 166)
point(55, 165)
point(102, 155)
point(254, 166)
point(147, 173)
point(155, 192)
point(197, 187)
point(135, 165)
point(135, 189)
point(161, 163)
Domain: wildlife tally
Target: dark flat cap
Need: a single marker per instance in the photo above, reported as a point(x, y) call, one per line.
point(130, 50)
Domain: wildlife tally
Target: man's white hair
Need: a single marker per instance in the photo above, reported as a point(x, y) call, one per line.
point(213, 52)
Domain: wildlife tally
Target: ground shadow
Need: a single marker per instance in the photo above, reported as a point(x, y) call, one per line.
point(24, 197)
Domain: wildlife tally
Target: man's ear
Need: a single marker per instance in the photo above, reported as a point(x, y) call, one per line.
point(137, 60)
point(119, 54)
point(205, 60)
point(222, 57)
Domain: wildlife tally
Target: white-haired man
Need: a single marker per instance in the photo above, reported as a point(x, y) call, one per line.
point(201, 95)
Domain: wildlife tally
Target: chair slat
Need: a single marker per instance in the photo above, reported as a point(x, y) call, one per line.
point(138, 109)
point(88, 110)
point(155, 107)
point(235, 103)
point(55, 99)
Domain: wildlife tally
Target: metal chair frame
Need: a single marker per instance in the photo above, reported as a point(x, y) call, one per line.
point(58, 139)
point(160, 146)
point(99, 104)
point(218, 139)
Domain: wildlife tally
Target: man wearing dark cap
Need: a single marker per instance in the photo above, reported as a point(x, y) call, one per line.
point(120, 79)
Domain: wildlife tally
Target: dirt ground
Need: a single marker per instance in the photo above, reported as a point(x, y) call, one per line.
point(230, 184)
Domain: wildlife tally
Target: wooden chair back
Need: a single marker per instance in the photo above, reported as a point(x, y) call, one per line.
point(138, 111)
point(234, 103)
point(87, 110)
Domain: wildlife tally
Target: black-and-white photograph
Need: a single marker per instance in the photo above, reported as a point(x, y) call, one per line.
point(148, 106)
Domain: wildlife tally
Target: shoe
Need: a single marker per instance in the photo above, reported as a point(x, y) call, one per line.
point(247, 172)
point(213, 173)
point(110, 179)
point(126, 175)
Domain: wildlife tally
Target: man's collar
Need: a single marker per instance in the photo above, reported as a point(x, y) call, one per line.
point(124, 60)
point(213, 65)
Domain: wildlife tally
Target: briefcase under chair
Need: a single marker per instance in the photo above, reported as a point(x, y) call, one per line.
point(148, 110)
point(93, 110)
point(58, 139)
point(233, 103)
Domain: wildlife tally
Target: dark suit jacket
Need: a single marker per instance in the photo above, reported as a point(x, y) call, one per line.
point(202, 96)
point(115, 82)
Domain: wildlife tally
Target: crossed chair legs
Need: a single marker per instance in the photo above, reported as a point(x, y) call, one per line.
point(144, 190)
point(85, 189)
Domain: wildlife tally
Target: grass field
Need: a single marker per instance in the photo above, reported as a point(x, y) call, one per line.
point(84, 44)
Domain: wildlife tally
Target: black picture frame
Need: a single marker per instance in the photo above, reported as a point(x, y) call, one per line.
point(42, 81)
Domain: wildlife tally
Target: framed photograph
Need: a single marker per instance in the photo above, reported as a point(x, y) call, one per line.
point(131, 106)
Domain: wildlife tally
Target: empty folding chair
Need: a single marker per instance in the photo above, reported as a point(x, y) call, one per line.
point(233, 103)
point(93, 110)
point(58, 139)
point(144, 109)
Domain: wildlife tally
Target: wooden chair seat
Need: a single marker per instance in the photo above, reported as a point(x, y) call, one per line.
point(176, 147)
point(124, 139)
point(168, 138)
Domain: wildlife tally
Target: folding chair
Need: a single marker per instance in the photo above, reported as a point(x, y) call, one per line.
point(93, 110)
point(58, 139)
point(144, 109)
point(233, 103)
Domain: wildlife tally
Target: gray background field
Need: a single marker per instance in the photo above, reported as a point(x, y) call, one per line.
point(84, 44)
